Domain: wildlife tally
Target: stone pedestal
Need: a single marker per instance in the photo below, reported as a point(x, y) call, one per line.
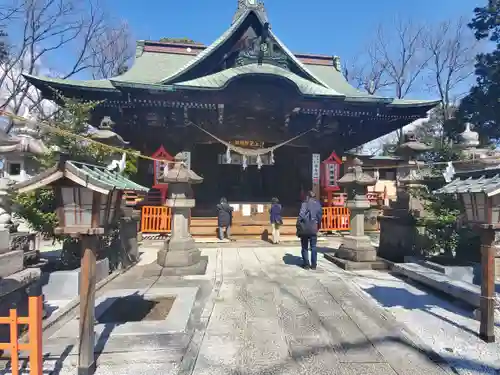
point(357, 246)
point(128, 236)
point(179, 250)
point(356, 250)
point(10, 261)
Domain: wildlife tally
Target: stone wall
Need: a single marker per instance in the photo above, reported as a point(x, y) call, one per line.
point(399, 238)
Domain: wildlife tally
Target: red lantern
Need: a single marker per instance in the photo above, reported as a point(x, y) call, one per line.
point(330, 171)
point(158, 169)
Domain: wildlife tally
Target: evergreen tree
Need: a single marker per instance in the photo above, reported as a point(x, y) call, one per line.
point(38, 207)
point(481, 106)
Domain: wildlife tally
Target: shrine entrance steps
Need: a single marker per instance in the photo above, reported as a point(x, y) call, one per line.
point(206, 227)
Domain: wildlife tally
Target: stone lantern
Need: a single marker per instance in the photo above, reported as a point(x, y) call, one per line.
point(180, 253)
point(105, 134)
point(411, 175)
point(357, 246)
point(399, 233)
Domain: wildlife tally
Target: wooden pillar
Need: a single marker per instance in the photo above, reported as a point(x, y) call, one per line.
point(487, 302)
point(86, 361)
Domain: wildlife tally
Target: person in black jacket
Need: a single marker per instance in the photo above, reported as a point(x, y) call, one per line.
point(224, 218)
point(308, 223)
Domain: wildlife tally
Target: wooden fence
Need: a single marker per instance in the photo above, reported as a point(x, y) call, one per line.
point(34, 345)
point(156, 219)
point(335, 219)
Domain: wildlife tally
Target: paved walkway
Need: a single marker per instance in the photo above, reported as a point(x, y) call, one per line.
point(257, 312)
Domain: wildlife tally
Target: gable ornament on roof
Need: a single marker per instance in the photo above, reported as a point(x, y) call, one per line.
point(255, 5)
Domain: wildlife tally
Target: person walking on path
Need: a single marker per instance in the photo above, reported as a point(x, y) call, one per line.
point(276, 219)
point(308, 224)
point(224, 219)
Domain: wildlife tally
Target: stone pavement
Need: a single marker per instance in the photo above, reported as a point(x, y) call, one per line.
point(254, 312)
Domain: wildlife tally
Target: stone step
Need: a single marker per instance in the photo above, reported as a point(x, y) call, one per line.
point(466, 292)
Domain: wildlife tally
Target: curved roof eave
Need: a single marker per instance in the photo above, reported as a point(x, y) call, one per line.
point(225, 36)
point(222, 79)
point(141, 85)
point(401, 103)
point(91, 85)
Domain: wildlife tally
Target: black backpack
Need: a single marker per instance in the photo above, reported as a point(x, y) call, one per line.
point(306, 226)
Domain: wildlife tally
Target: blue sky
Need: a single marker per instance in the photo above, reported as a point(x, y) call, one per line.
point(334, 27)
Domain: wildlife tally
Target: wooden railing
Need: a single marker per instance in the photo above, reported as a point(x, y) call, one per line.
point(156, 219)
point(335, 219)
point(34, 345)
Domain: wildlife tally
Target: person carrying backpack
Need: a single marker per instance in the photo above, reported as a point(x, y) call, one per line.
point(308, 224)
point(224, 219)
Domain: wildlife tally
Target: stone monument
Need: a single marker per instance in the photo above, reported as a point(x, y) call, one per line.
point(399, 234)
point(10, 261)
point(180, 255)
point(14, 279)
point(356, 247)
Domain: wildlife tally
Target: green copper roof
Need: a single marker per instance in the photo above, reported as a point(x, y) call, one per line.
point(95, 177)
point(335, 80)
point(470, 185)
point(99, 84)
point(224, 37)
point(221, 79)
point(99, 174)
point(158, 71)
point(148, 68)
point(153, 67)
point(485, 181)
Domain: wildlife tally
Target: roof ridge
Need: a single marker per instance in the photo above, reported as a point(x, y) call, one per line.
point(230, 31)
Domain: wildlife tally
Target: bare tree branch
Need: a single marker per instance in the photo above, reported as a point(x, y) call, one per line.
point(112, 52)
point(453, 49)
point(43, 30)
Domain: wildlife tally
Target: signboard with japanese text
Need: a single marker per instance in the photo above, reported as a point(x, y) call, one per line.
point(316, 164)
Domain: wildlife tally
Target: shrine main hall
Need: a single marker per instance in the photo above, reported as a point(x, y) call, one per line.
point(255, 120)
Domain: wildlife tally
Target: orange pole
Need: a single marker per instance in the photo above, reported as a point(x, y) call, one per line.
point(14, 344)
point(35, 316)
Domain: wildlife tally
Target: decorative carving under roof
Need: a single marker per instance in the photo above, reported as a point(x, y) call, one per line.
point(256, 5)
point(261, 49)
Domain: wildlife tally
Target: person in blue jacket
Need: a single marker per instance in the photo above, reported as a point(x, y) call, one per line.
point(276, 219)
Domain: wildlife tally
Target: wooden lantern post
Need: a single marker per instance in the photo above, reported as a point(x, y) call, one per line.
point(88, 200)
point(480, 193)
